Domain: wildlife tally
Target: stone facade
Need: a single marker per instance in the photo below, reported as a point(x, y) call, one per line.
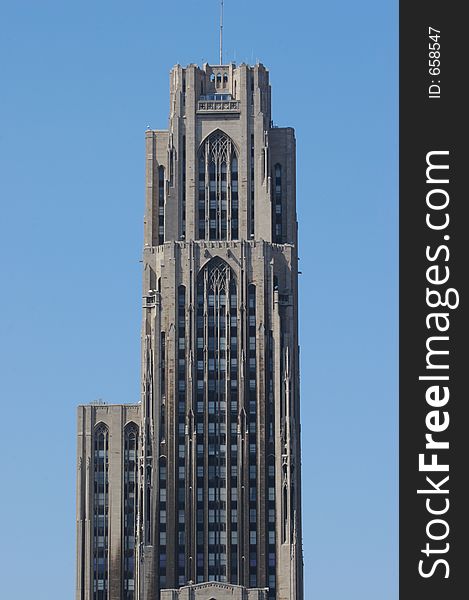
point(219, 490)
point(214, 591)
point(106, 498)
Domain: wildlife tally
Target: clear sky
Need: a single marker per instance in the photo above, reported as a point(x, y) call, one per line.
point(79, 83)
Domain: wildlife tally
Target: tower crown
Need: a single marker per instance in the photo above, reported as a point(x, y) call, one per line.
point(221, 171)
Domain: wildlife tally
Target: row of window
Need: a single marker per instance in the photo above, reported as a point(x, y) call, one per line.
point(216, 451)
point(100, 547)
point(218, 192)
point(218, 189)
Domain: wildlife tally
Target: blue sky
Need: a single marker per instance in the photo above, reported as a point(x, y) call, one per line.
point(80, 82)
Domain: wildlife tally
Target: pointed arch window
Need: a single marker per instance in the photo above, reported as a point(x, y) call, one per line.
point(216, 417)
point(130, 510)
point(218, 188)
point(100, 512)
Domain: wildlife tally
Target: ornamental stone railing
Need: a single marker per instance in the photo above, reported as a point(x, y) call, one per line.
point(218, 106)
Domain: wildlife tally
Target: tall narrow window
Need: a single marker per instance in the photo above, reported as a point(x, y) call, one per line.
point(270, 469)
point(277, 216)
point(161, 500)
point(252, 419)
point(181, 451)
point(162, 467)
point(130, 510)
point(217, 408)
point(100, 513)
point(270, 537)
point(218, 189)
point(161, 186)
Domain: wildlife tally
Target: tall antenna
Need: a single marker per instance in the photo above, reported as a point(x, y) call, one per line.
point(221, 32)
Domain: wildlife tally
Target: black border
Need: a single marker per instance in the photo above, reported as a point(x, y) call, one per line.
point(428, 124)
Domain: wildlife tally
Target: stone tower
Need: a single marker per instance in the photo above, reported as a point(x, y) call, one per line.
point(217, 510)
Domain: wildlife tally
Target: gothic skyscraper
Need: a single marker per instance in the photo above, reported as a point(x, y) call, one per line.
point(195, 493)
